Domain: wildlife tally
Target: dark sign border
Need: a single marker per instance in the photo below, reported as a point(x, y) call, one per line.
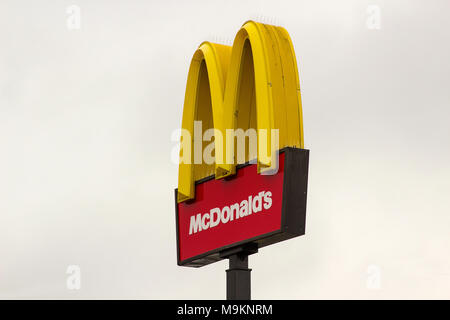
point(293, 209)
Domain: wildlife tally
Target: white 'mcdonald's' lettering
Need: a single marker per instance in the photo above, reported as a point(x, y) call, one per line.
point(254, 204)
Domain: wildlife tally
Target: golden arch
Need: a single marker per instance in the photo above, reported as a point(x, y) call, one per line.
point(253, 84)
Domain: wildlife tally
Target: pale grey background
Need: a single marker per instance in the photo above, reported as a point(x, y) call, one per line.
point(86, 118)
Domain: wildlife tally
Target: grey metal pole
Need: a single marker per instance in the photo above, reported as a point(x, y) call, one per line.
point(238, 275)
point(238, 278)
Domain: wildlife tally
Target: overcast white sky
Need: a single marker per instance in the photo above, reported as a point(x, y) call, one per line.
point(86, 117)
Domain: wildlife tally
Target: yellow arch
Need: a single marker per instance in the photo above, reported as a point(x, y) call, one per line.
point(253, 84)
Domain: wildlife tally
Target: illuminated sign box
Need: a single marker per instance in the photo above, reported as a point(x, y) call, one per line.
point(246, 208)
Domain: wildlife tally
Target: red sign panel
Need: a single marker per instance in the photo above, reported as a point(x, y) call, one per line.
point(249, 207)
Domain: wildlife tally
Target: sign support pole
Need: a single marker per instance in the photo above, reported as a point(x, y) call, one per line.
point(238, 278)
point(238, 274)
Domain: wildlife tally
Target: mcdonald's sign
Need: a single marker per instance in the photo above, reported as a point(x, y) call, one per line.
point(243, 168)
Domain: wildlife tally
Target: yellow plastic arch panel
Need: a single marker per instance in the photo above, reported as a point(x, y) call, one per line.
point(253, 84)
